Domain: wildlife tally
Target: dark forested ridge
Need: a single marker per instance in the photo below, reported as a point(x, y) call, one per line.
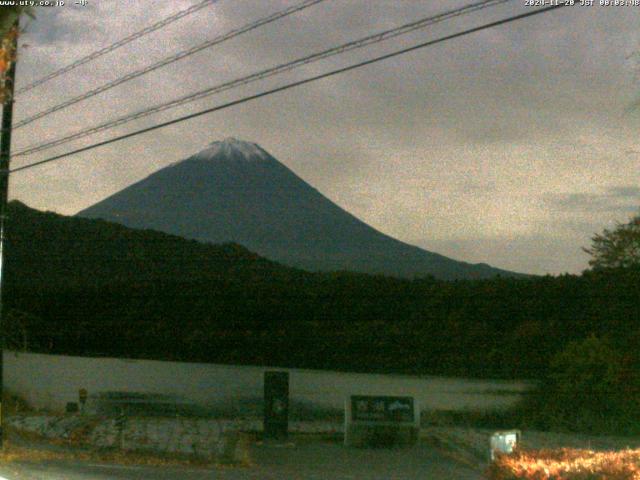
point(89, 287)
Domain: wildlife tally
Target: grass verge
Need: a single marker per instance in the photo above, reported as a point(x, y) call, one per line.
point(23, 446)
point(566, 464)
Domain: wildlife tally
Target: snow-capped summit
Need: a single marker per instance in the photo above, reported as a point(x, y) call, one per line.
point(231, 147)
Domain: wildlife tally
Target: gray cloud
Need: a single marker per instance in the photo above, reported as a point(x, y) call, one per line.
point(497, 138)
point(616, 200)
point(57, 26)
point(631, 191)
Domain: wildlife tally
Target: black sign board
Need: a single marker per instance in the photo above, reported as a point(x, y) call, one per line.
point(382, 409)
point(276, 404)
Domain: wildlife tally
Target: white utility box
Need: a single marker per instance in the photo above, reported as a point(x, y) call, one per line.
point(503, 442)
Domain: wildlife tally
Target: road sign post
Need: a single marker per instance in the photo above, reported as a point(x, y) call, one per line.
point(381, 421)
point(82, 398)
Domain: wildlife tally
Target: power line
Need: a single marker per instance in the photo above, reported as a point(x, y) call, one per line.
point(169, 60)
point(118, 44)
point(356, 44)
point(292, 85)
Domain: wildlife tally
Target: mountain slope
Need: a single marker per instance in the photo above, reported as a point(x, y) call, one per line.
point(235, 191)
point(49, 249)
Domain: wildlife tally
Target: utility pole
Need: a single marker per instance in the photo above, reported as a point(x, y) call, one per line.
point(5, 155)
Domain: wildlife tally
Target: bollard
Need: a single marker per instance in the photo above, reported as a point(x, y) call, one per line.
point(82, 398)
point(121, 424)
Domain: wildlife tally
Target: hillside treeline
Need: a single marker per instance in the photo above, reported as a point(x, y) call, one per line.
point(88, 287)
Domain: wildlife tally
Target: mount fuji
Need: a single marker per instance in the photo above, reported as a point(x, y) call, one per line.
point(235, 191)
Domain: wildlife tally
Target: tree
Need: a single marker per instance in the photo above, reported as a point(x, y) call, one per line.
point(589, 387)
point(616, 248)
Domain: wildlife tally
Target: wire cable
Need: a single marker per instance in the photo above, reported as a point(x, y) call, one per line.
point(92, 56)
point(291, 85)
point(356, 44)
point(169, 60)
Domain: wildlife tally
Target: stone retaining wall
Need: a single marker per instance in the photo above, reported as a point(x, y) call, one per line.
point(199, 437)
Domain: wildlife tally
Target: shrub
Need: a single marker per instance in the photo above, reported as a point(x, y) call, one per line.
point(14, 404)
point(588, 388)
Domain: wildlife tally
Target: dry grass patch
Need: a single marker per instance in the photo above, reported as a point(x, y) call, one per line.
point(15, 453)
point(566, 464)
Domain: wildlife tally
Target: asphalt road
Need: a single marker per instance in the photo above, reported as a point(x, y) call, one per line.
point(313, 461)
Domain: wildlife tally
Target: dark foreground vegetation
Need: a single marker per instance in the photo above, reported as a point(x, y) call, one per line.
point(88, 287)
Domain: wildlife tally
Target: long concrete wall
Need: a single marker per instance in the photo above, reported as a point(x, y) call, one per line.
point(50, 381)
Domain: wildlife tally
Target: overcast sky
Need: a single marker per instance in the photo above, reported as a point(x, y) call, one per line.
point(511, 146)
